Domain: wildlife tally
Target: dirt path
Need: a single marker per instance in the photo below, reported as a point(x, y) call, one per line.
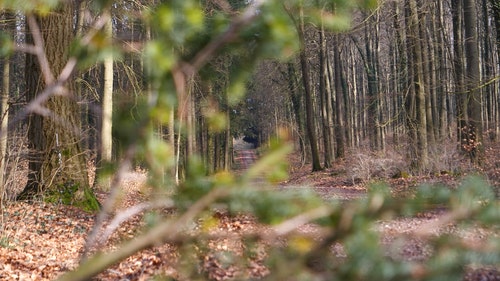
point(244, 158)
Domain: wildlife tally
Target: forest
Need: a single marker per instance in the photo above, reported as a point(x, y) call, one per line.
point(250, 139)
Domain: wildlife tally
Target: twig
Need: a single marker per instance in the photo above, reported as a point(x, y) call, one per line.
point(299, 220)
point(39, 49)
point(124, 215)
point(429, 228)
point(165, 231)
point(107, 207)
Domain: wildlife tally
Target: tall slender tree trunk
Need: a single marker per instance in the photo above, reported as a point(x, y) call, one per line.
point(420, 87)
point(310, 124)
point(106, 137)
point(487, 68)
point(443, 75)
point(325, 93)
point(428, 61)
point(296, 99)
point(340, 133)
point(356, 128)
point(495, 7)
point(228, 148)
point(373, 101)
point(474, 128)
point(4, 124)
point(417, 106)
point(190, 111)
point(458, 69)
point(8, 25)
point(401, 62)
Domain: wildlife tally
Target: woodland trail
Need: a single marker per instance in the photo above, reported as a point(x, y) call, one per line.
point(243, 159)
point(244, 155)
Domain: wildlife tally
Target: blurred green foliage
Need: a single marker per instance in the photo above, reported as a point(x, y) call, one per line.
point(6, 45)
point(183, 33)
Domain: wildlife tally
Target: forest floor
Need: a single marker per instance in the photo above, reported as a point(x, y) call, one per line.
point(40, 241)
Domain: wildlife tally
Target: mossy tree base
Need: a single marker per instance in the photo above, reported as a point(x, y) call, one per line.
point(73, 195)
point(67, 194)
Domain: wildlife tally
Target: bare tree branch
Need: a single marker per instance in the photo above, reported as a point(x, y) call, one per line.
point(40, 50)
point(124, 215)
point(165, 231)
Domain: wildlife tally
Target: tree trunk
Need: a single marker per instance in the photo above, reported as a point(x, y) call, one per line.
point(495, 132)
point(400, 65)
point(416, 107)
point(474, 127)
point(495, 7)
point(373, 101)
point(310, 124)
point(228, 148)
point(106, 136)
point(8, 26)
point(4, 125)
point(428, 60)
point(58, 163)
point(353, 109)
point(324, 93)
point(340, 133)
point(458, 69)
point(296, 99)
point(443, 76)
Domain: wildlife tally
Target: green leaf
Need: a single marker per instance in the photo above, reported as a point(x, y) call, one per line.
point(160, 57)
point(6, 45)
point(217, 121)
point(95, 51)
point(337, 22)
point(100, 5)
point(369, 4)
point(160, 155)
point(42, 7)
point(271, 206)
point(236, 91)
point(179, 21)
point(471, 194)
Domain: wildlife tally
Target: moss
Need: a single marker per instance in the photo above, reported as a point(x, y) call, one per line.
point(72, 194)
point(62, 194)
point(90, 202)
point(404, 175)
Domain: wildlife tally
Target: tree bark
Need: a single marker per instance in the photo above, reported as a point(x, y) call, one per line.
point(310, 124)
point(340, 133)
point(8, 26)
point(494, 128)
point(458, 69)
point(326, 105)
point(443, 76)
point(495, 7)
point(474, 127)
point(106, 135)
point(58, 163)
point(296, 99)
point(416, 107)
point(373, 86)
point(4, 125)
